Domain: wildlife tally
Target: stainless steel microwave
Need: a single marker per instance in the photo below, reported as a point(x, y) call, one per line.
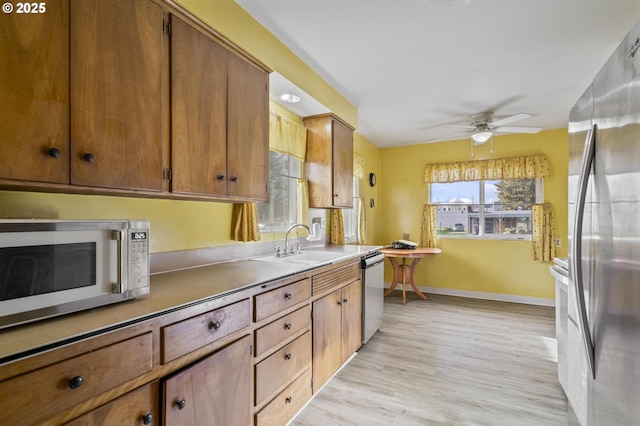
point(53, 267)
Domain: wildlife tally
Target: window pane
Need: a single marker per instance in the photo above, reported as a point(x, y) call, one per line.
point(505, 209)
point(281, 210)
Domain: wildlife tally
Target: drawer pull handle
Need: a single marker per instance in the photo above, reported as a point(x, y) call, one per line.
point(147, 419)
point(54, 152)
point(287, 296)
point(76, 382)
point(215, 325)
point(287, 326)
point(181, 404)
point(288, 400)
point(287, 356)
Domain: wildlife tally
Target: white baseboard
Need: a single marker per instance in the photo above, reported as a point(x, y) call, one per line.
point(527, 300)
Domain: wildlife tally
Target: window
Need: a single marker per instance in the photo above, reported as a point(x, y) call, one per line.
point(351, 217)
point(282, 209)
point(490, 209)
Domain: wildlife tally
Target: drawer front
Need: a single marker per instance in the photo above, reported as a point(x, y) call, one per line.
point(279, 330)
point(49, 390)
point(274, 301)
point(336, 278)
point(282, 366)
point(139, 407)
point(287, 403)
point(186, 336)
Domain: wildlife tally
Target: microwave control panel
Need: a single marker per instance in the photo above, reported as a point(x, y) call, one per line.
point(138, 258)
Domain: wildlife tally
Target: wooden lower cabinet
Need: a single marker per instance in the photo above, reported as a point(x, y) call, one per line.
point(214, 391)
point(139, 407)
point(337, 331)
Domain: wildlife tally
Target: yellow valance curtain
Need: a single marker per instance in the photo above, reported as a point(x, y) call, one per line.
point(428, 232)
point(244, 222)
point(543, 232)
point(286, 136)
point(359, 165)
point(527, 167)
point(336, 233)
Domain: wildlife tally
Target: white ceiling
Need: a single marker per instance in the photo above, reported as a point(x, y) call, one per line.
point(411, 66)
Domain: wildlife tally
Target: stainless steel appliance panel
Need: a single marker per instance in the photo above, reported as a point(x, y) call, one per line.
point(611, 234)
point(372, 295)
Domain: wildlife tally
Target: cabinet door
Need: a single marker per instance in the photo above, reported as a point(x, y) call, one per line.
point(198, 112)
point(248, 131)
point(116, 94)
point(214, 391)
point(342, 165)
point(139, 407)
point(34, 94)
point(351, 319)
point(327, 337)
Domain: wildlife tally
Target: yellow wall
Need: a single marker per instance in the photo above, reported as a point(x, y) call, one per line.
point(466, 264)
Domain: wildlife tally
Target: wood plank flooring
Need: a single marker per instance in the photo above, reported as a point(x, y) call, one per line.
point(448, 361)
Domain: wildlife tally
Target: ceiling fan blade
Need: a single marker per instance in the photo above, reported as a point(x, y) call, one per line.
point(509, 119)
point(503, 129)
point(459, 126)
point(450, 137)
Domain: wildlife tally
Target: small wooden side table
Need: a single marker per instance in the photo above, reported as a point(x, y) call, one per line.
point(400, 272)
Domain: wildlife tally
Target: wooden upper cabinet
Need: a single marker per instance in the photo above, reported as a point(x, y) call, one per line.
point(116, 94)
point(219, 114)
point(198, 112)
point(248, 131)
point(329, 162)
point(34, 94)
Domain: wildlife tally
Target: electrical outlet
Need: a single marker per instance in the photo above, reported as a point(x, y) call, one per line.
point(323, 222)
point(558, 242)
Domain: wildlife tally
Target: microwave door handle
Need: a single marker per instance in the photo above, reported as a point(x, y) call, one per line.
point(576, 255)
point(118, 236)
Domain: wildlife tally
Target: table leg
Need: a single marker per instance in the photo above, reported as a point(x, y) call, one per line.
point(413, 280)
point(394, 283)
point(404, 280)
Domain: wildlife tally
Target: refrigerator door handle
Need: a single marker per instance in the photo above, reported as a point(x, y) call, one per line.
point(576, 255)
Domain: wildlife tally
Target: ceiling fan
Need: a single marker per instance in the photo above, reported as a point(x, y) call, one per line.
point(482, 126)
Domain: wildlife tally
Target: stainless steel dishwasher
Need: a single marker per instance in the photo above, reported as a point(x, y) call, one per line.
point(372, 294)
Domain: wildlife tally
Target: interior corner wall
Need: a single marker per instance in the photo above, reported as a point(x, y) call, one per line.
point(466, 264)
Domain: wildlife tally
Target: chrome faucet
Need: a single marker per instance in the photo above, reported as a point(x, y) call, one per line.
point(286, 237)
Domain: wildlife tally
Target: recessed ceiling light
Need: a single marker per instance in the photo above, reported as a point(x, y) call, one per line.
point(288, 97)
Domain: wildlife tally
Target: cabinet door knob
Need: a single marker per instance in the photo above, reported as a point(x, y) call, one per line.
point(288, 400)
point(287, 356)
point(287, 296)
point(89, 157)
point(181, 404)
point(339, 302)
point(76, 382)
point(220, 177)
point(234, 179)
point(147, 419)
point(345, 300)
point(287, 326)
point(215, 325)
point(54, 152)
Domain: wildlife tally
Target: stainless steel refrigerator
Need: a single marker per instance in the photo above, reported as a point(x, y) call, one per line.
point(604, 226)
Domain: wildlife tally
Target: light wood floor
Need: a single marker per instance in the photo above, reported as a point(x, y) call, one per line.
point(448, 361)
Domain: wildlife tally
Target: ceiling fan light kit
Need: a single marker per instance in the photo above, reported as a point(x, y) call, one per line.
point(481, 136)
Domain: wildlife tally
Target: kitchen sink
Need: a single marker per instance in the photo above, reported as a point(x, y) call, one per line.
point(306, 257)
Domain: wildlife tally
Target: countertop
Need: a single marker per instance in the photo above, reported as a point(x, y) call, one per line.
point(168, 291)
